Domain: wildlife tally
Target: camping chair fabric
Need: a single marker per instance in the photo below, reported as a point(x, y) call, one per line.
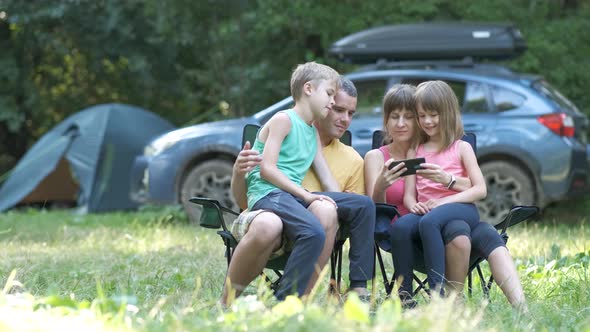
point(212, 216)
point(516, 215)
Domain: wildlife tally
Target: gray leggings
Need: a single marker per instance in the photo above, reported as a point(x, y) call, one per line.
point(412, 228)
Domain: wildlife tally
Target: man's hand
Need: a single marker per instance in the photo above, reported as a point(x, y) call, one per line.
point(310, 198)
point(246, 161)
point(434, 173)
point(420, 208)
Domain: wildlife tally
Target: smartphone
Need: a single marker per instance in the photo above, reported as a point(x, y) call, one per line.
point(411, 164)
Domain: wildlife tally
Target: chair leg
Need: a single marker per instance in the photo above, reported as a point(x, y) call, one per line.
point(339, 271)
point(421, 285)
point(388, 285)
point(484, 287)
point(470, 283)
point(333, 263)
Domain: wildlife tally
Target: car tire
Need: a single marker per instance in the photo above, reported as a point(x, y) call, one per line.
point(507, 185)
point(211, 179)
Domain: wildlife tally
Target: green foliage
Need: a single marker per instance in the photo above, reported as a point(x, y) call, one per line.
point(194, 61)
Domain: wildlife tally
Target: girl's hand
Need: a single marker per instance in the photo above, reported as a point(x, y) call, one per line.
point(432, 203)
point(420, 208)
point(246, 161)
point(310, 198)
point(389, 176)
point(434, 173)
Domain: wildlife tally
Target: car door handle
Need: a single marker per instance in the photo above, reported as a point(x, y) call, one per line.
point(364, 133)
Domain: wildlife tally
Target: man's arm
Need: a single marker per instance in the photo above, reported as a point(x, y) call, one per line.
point(246, 161)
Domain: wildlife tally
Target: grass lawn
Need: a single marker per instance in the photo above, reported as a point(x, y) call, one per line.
point(153, 271)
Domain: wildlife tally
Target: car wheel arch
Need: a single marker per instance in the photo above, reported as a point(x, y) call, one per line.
point(228, 155)
point(527, 165)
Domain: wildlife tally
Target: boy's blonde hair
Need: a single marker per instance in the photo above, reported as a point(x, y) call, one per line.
point(400, 97)
point(311, 72)
point(437, 96)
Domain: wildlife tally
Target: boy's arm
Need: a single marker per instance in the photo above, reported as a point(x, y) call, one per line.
point(246, 161)
point(277, 129)
point(322, 170)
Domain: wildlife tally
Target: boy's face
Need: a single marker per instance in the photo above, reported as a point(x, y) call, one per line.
point(321, 98)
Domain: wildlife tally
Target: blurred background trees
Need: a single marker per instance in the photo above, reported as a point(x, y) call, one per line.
point(194, 61)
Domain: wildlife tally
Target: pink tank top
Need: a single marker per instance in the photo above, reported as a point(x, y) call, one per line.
point(394, 194)
point(450, 161)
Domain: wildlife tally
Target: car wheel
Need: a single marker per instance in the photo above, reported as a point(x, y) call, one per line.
point(211, 179)
point(507, 185)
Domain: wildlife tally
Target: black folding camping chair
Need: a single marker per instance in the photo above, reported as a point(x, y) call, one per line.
point(516, 215)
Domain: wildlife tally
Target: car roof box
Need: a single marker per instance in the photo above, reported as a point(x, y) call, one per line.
point(431, 41)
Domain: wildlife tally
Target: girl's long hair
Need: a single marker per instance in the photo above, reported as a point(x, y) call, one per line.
point(437, 96)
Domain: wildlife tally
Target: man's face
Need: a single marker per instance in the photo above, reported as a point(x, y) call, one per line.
point(339, 117)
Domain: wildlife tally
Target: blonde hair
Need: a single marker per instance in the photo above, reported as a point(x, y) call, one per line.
point(311, 72)
point(400, 97)
point(438, 96)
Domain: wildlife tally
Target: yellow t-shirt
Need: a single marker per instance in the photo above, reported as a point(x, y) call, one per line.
point(346, 166)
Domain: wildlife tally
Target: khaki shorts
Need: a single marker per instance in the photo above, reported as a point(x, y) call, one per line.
point(240, 227)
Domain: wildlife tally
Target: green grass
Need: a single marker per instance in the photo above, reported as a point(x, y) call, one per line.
point(153, 271)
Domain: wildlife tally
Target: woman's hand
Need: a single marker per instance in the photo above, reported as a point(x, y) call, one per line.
point(434, 172)
point(246, 161)
point(389, 176)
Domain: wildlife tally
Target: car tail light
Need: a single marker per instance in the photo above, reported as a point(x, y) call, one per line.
point(559, 123)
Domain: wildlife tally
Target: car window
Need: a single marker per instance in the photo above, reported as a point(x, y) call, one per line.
point(505, 99)
point(457, 86)
point(475, 98)
point(553, 94)
point(370, 96)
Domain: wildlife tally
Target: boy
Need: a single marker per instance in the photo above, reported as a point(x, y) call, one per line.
point(289, 144)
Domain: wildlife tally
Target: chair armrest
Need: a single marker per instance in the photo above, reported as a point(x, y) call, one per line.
point(384, 213)
point(212, 212)
point(388, 210)
point(517, 214)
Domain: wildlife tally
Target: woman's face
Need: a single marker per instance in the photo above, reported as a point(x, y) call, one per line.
point(401, 125)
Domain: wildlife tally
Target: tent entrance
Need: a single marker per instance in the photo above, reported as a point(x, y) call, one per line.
point(57, 188)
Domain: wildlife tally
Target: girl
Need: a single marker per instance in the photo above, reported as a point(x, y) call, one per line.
point(432, 204)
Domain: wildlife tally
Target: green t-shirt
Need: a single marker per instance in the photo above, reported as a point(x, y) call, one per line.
point(295, 157)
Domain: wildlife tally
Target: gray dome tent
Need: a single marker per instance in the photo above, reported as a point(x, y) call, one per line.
point(98, 144)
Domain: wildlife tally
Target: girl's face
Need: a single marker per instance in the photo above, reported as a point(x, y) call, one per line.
point(401, 125)
point(428, 121)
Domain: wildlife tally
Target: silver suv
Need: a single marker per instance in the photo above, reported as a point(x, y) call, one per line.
point(531, 140)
